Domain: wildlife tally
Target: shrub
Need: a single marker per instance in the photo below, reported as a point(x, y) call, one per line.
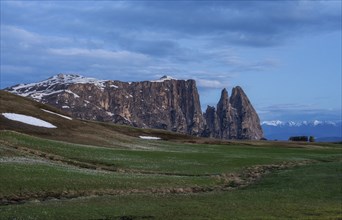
point(299, 138)
point(312, 139)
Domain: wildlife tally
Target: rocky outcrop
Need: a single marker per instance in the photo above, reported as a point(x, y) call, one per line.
point(234, 118)
point(163, 104)
point(248, 122)
point(167, 103)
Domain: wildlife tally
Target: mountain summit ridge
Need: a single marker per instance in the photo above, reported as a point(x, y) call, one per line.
point(282, 130)
point(299, 123)
point(166, 103)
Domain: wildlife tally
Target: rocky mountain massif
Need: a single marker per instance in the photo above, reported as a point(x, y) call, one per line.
point(167, 103)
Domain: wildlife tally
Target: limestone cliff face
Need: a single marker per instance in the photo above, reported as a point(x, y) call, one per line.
point(171, 105)
point(163, 104)
point(247, 120)
point(234, 118)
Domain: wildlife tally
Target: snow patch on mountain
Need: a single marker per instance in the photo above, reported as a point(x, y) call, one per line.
point(74, 79)
point(28, 120)
point(63, 116)
point(54, 85)
point(149, 138)
point(164, 78)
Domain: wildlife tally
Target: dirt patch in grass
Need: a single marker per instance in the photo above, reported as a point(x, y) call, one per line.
point(255, 173)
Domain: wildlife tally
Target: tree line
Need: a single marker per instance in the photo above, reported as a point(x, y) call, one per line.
point(302, 138)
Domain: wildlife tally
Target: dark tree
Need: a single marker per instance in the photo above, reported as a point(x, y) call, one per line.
point(299, 138)
point(312, 139)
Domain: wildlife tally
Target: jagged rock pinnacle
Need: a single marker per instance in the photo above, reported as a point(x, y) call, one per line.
point(235, 118)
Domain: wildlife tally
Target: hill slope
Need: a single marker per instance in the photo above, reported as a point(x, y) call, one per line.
point(75, 130)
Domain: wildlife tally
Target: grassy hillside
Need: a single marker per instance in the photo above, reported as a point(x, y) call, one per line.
point(80, 131)
point(91, 170)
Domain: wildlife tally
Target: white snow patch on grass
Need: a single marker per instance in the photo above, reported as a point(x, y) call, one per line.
point(63, 116)
point(28, 120)
point(149, 138)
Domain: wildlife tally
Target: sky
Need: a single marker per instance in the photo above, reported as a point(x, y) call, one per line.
point(286, 55)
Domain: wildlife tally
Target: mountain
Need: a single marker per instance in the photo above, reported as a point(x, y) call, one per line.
point(166, 103)
point(321, 130)
point(14, 109)
point(234, 118)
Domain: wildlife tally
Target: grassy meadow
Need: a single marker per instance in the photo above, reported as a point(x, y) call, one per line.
point(89, 170)
point(48, 179)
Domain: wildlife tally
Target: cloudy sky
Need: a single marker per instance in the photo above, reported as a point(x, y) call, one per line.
point(286, 55)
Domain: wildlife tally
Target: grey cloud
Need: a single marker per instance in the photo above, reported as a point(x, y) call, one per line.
point(152, 47)
point(255, 66)
point(295, 111)
point(177, 37)
point(212, 84)
point(254, 23)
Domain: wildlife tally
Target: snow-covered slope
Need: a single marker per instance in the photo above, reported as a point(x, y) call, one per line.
point(164, 78)
point(58, 84)
point(28, 120)
point(282, 130)
point(54, 113)
point(54, 85)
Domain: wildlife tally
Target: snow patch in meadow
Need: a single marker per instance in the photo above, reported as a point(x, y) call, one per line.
point(28, 120)
point(149, 138)
point(63, 116)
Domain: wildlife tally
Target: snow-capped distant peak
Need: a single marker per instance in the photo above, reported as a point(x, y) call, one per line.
point(272, 123)
point(297, 124)
point(316, 122)
point(164, 78)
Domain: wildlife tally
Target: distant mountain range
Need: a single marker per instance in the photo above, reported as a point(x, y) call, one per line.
point(321, 130)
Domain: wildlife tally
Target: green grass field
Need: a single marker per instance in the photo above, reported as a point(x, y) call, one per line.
point(281, 195)
point(91, 170)
point(41, 179)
